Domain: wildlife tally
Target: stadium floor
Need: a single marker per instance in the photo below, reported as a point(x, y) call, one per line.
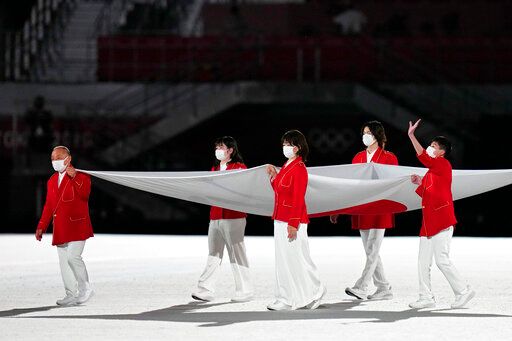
point(143, 285)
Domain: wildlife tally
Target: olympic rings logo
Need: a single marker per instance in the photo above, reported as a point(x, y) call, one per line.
point(331, 140)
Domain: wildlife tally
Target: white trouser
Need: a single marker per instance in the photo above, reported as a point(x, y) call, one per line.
point(372, 240)
point(72, 267)
point(227, 233)
point(297, 280)
point(439, 247)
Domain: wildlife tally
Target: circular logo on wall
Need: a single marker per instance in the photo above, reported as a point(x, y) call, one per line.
point(332, 140)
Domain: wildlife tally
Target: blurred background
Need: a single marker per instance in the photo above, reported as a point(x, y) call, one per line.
point(148, 86)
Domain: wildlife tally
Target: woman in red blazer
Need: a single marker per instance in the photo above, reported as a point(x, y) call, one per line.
point(435, 190)
point(226, 230)
point(372, 227)
point(297, 282)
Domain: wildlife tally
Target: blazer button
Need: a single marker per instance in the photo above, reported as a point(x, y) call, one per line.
point(54, 215)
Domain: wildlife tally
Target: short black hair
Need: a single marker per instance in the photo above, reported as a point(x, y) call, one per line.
point(444, 144)
point(377, 130)
point(230, 142)
point(297, 139)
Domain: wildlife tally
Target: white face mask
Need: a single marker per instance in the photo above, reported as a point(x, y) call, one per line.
point(220, 154)
point(288, 151)
point(59, 165)
point(368, 139)
point(430, 151)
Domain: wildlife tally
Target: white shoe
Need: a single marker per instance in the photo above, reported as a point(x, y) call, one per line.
point(85, 296)
point(67, 301)
point(205, 296)
point(316, 303)
point(278, 305)
point(423, 303)
point(463, 299)
point(242, 297)
point(357, 293)
point(381, 294)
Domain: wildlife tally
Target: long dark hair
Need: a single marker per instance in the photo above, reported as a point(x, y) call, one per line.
point(377, 130)
point(297, 139)
point(229, 142)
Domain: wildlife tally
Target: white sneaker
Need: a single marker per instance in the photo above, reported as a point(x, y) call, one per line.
point(67, 301)
point(316, 303)
point(381, 294)
point(423, 303)
point(278, 305)
point(463, 299)
point(85, 296)
point(357, 293)
point(242, 297)
point(203, 295)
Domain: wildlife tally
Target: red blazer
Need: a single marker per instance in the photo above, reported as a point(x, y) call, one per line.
point(377, 221)
point(436, 195)
point(290, 186)
point(67, 206)
point(217, 213)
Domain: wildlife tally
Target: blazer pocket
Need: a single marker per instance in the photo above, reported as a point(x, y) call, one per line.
point(429, 181)
point(446, 204)
point(286, 204)
point(284, 184)
point(76, 218)
point(68, 195)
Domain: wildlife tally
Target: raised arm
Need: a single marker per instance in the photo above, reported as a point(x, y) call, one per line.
point(416, 144)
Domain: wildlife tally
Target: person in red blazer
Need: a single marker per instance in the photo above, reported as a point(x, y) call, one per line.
point(438, 223)
point(67, 209)
point(226, 230)
point(297, 282)
point(372, 227)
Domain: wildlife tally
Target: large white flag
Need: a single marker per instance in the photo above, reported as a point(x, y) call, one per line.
point(369, 188)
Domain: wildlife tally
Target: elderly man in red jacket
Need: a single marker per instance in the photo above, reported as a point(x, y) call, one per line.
point(67, 207)
point(435, 190)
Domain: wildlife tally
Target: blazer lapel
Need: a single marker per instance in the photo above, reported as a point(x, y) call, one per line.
point(65, 180)
point(364, 156)
point(377, 155)
point(287, 168)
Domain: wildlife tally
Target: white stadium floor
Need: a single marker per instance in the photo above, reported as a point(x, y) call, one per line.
point(143, 286)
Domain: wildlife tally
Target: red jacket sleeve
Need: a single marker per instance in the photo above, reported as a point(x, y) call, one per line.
point(433, 164)
point(272, 182)
point(46, 216)
point(420, 190)
point(393, 160)
point(82, 185)
point(299, 185)
point(425, 159)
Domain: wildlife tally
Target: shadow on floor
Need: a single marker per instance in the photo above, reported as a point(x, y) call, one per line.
point(192, 313)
